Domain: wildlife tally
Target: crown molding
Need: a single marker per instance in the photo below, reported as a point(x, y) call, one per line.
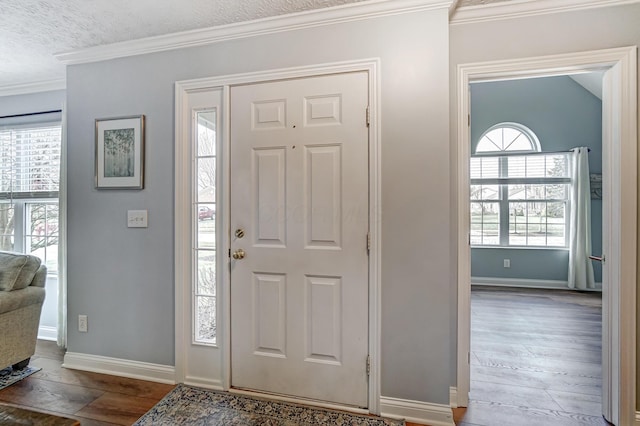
point(453, 7)
point(295, 21)
point(524, 8)
point(33, 87)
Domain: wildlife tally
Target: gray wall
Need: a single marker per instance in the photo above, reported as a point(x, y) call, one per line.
point(550, 34)
point(563, 115)
point(123, 278)
point(32, 102)
point(25, 104)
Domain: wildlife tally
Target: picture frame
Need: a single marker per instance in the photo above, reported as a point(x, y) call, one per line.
point(119, 153)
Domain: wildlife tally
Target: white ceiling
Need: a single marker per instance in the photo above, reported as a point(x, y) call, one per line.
point(32, 31)
point(592, 81)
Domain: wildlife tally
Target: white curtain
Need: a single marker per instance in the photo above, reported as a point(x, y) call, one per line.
point(580, 267)
point(62, 239)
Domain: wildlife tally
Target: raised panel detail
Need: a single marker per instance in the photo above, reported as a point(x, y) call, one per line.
point(267, 115)
point(269, 196)
point(269, 314)
point(324, 319)
point(323, 194)
point(323, 110)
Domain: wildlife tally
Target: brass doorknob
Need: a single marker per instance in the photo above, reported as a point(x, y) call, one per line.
point(238, 254)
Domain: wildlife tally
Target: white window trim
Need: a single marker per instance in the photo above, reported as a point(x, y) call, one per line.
point(503, 181)
point(20, 199)
point(195, 204)
point(530, 134)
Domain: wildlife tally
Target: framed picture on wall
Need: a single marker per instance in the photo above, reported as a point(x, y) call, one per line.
point(120, 153)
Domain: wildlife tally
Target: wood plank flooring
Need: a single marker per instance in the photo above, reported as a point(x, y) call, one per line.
point(535, 358)
point(93, 399)
point(535, 361)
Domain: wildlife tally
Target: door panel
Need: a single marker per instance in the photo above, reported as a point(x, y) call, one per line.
point(299, 192)
point(269, 194)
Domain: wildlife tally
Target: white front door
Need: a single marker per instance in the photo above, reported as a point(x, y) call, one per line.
point(299, 226)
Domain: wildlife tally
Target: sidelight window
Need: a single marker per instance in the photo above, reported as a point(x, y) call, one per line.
point(204, 220)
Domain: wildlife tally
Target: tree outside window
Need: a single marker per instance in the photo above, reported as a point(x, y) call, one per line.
point(519, 195)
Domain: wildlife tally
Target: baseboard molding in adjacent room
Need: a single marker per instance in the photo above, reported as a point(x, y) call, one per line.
point(417, 411)
point(525, 283)
point(637, 422)
point(120, 367)
point(47, 333)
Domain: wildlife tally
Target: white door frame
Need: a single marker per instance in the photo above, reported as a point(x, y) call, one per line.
point(183, 88)
point(622, 303)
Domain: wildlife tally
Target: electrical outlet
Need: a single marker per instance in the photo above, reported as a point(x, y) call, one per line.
point(82, 323)
point(507, 263)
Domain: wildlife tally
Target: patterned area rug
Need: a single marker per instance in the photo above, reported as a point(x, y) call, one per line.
point(9, 376)
point(187, 405)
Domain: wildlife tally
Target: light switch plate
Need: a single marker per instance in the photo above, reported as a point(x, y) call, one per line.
point(136, 219)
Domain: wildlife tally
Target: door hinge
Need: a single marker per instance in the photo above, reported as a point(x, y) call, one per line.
point(229, 253)
point(368, 242)
point(368, 365)
point(368, 116)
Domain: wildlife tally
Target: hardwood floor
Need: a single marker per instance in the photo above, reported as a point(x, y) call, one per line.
point(535, 358)
point(93, 399)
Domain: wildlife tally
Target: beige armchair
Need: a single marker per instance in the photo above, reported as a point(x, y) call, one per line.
point(22, 280)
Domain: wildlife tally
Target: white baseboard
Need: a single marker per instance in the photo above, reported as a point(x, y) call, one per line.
point(525, 283)
point(637, 419)
point(120, 367)
point(47, 333)
point(203, 383)
point(423, 413)
point(453, 397)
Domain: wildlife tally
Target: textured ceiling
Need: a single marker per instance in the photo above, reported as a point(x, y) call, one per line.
point(32, 31)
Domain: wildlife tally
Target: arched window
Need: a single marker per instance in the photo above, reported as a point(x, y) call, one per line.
point(519, 195)
point(508, 137)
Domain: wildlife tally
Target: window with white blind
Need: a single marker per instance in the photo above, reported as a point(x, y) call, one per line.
point(29, 184)
point(519, 195)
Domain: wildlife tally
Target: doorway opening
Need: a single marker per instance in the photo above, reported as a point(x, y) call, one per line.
point(535, 345)
point(619, 164)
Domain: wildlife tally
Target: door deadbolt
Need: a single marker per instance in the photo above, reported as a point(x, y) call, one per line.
point(238, 254)
point(239, 233)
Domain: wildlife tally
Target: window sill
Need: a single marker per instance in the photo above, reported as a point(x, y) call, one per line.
point(520, 248)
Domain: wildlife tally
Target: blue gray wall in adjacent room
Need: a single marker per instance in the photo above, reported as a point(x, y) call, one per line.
point(563, 115)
